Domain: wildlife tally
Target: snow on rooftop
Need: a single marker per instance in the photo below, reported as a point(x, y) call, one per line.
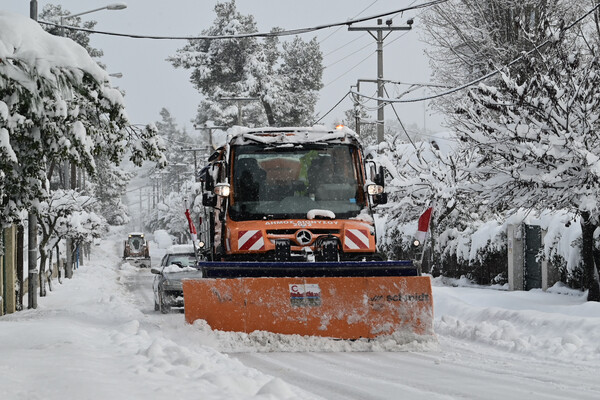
point(284, 135)
point(181, 249)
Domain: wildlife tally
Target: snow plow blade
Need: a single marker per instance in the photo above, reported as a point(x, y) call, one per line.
point(337, 307)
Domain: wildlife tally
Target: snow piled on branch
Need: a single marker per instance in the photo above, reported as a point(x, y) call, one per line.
point(22, 40)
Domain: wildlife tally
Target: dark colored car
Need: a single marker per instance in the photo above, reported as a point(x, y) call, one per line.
point(178, 263)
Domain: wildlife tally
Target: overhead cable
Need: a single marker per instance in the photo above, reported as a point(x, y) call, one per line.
point(331, 109)
point(334, 32)
point(288, 32)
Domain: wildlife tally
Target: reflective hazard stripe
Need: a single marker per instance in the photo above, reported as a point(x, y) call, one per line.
point(250, 240)
point(356, 239)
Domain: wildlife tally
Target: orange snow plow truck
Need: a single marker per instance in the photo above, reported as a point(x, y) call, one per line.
point(290, 241)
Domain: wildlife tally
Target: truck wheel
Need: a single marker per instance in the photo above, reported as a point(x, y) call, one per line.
point(156, 306)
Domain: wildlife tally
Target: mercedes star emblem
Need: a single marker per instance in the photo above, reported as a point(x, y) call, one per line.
point(303, 237)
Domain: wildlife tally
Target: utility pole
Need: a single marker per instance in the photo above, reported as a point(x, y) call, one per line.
point(32, 276)
point(380, 37)
point(196, 177)
point(357, 118)
point(210, 131)
point(239, 101)
point(357, 109)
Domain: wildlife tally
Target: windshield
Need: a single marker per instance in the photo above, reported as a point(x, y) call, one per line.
point(136, 242)
point(288, 182)
point(185, 260)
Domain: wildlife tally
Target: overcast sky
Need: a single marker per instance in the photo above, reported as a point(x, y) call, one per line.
point(151, 83)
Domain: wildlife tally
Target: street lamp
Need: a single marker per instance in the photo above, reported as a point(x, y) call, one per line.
point(113, 6)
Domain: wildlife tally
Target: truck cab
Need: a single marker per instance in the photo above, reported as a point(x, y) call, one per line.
point(291, 194)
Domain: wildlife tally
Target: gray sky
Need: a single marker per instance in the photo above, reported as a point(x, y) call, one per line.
point(151, 83)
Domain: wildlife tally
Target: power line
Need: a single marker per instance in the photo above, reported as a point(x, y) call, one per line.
point(349, 55)
point(482, 78)
point(331, 109)
point(344, 45)
point(350, 69)
point(334, 32)
point(288, 32)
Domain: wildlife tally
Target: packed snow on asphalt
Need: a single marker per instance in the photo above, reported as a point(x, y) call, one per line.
point(97, 336)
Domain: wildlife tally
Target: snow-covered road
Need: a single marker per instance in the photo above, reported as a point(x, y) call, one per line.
point(520, 355)
point(97, 336)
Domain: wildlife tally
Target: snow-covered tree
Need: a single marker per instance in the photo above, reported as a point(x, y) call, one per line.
point(180, 164)
point(284, 78)
point(470, 38)
point(53, 13)
point(536, 133)
point(424, 174)
point(66, 214)
point(56, 104)
point(107, 186)
point(300, 74)
point(169, 214)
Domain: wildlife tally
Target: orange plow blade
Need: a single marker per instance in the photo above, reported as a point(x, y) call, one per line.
point(336, 307)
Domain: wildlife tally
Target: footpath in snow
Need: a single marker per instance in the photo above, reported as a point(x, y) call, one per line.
point(88, 339)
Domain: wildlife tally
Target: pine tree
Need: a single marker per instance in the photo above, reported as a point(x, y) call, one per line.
point(284, 78)
point(180, 164)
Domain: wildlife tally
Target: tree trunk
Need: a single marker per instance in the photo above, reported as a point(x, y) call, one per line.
point(42, 276)
point(269, 112)
point(587, 233)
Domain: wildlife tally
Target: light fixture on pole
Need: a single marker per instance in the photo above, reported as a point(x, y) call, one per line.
point(113, 6)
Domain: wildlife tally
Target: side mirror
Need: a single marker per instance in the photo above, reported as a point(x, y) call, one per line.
point(377, 194)
point(209, 199)
point(155, 270)
point(380, 198)
point(380, 176)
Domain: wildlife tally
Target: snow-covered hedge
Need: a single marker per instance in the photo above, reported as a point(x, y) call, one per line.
point(468, 240)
